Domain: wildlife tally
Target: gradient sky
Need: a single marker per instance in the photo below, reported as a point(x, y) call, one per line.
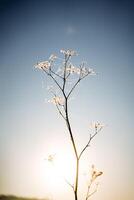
point(102, 33)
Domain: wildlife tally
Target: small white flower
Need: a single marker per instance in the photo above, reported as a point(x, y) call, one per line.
point(43, 65)
point(96, 125)
point(50, 158)
point(84, 71)
point(71, 69)
point(57, 100)
point(78, 70)
point(52, 57)
point(68, 52)
point(63, 51)
point(91, 71)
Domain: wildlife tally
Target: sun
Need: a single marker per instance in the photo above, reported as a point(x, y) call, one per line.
point(59, 169)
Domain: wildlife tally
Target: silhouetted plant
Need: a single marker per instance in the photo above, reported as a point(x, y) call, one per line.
point(61, 76)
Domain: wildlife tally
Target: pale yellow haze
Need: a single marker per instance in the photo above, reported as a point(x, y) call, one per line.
point(44, 176)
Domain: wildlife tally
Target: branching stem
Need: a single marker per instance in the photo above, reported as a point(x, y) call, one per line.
point(65, 115)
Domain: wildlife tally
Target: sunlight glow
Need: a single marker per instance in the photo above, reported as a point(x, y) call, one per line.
point(60, 169)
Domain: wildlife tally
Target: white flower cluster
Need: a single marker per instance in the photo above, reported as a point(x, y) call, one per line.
point(96, 125)
point(43, 65)
point(80, 71)
point(85, 71)
point(69, 52)
point(57, 100)
point(95, 173)
point(46, 64)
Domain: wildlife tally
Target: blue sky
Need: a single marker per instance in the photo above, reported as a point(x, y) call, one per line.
point(102, 33)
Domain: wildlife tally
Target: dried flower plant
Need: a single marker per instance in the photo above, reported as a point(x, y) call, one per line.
point(61, 77)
